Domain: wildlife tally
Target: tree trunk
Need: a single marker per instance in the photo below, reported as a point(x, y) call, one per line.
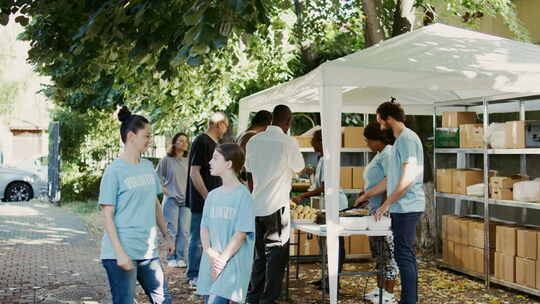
point(373, 30)
point(404, 17)
point(426, 232)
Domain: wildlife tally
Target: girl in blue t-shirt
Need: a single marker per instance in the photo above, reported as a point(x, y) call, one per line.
point(132, 215)
point(227, 232)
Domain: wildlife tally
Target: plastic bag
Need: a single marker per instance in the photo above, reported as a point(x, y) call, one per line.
point(527, 191)
point(496, 135)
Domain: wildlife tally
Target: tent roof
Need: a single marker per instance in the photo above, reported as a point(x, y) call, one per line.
point(432, 64)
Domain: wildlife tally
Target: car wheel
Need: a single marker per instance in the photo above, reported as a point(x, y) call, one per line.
point(18, 191)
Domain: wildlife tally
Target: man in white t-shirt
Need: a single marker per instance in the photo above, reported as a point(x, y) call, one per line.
point(272, 157)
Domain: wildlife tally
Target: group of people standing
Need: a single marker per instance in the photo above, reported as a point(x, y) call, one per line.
point(225, 212)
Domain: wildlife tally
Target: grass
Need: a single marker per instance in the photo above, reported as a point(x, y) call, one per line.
point(89, 212)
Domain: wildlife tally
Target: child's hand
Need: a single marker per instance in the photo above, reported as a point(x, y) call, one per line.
point(212, 255)
point(217, 267)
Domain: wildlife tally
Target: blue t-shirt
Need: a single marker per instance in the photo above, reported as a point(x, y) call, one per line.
point(407, 149)
point(132, 190)
point(224, 214)
point(374, 173)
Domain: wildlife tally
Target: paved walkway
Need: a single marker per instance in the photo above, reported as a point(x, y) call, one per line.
point(47, 256)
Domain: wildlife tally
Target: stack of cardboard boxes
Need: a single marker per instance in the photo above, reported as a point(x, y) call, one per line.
point(456, 181)
point(514, 251)
point(355, 245)
point(500, 187)
point(463, 243)
point(517, 255)
point(352, 178)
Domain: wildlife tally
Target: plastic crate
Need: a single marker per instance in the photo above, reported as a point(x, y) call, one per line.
point(447, 138)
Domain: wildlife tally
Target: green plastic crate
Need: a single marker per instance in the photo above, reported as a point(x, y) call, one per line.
point(447, 138)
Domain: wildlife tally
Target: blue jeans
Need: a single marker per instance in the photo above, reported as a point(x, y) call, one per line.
point(149, 274)
point(213, 299)
point(404, 230)
point(177, 218)
point(195, 247)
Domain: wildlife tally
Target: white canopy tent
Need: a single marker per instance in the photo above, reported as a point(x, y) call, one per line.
point(432, 64)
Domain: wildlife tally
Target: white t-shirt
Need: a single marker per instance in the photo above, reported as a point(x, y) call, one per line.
point(272, 157)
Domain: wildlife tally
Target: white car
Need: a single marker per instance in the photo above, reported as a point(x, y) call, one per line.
point(18, 185)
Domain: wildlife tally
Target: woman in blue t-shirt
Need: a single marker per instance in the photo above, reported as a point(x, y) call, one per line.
point(227, 232)
point(379, 142)
point(132, 214)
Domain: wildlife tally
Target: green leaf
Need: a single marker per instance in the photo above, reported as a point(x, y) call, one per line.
point(4, 19)
point(22, 20)
point(237, 5)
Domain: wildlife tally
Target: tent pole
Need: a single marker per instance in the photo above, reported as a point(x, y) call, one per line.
point(331, 102)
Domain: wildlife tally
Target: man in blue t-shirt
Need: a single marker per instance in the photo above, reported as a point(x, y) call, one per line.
point(405, 195)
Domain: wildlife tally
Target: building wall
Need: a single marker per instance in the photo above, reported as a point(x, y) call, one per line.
point(23, 107)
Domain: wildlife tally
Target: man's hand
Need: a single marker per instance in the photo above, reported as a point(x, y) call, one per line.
point(362, 198)
point(124, 261)
point(381, 211)
point(165, 191)
point(297, 199)
point(307, 171)
point(169, 244)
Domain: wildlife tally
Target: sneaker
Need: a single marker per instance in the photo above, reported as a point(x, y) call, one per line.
point(172, 263)
point(388, 298)
point(181, 264)
point(192, 283)
point(374, 293)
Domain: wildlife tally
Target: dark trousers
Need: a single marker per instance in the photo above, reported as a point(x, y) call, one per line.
point(270, 259)
point(404, 230)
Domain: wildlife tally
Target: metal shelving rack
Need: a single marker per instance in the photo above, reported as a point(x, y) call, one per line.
point(462, 160)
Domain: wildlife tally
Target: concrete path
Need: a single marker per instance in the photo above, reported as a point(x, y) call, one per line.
point(48, 256)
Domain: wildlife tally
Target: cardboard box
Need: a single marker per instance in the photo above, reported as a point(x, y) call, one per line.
point(457, 230)
point(358, 178)
point(462, 255)
point(445, 180)
point(526, 272)
point(462, 178)
point(449, 252)
point(506, 182)
point(455, 119)
point(537, 275)
point(304, 141)
point(346, 178)
point(505, 267)
point(477, 260)
point(501, 194)
point(476, 234)
point(452, 233)
point(359, 244)
point(446, 219)
point(506, 239)
point(353, 137)
point(308, 244)
point(471, 136)
point(527, 243)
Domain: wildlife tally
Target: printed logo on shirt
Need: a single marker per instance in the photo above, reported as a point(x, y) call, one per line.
point(226, 213)
point(139, 181)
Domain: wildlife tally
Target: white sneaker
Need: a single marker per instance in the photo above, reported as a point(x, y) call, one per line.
point(192, 283)
point(374, 293)
point(181, 264)
point(172, 263)
point(388, 298)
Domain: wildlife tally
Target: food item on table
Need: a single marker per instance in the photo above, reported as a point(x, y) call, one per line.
point(303, 212)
